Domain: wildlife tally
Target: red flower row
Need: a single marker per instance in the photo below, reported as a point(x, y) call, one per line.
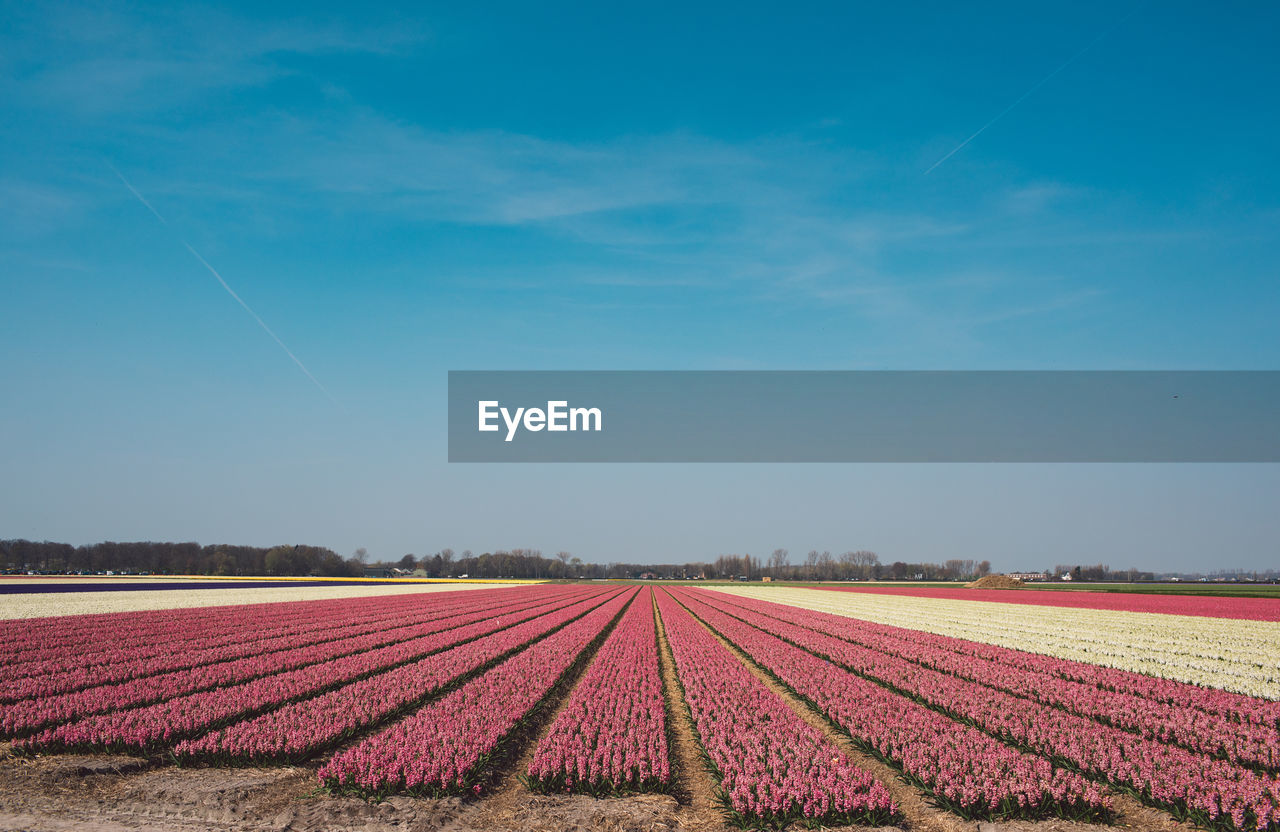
point(32, 714)
point(967, 771)
point(1211, 791)
point(1242, 741)
point(222, 633)
point(169, 721)
point(773, 766)
point(611, 736)
point(445, 746)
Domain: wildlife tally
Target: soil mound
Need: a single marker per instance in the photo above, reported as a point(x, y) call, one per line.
point(996, 582)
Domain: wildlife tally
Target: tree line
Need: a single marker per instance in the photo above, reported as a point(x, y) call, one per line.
point(175, 559)
point(302, 560)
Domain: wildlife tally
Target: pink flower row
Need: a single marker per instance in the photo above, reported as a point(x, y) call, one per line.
point(1244, 742)
point(444, 746)
point(773, 766)
point(966, 770)
point(169, 721)
point(198, 651)
point(304, 728)
point(31, 714)
point(224, 635)
point(1212, 791)
point(1255, 609)
point(37, 639)
point(612, 734)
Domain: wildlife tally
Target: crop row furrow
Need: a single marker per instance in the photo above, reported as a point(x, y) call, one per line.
point(231, 638)
point(29, 715)
point(447, 746)
point(611, 736)
point(30, 640)
point(304, 728)
point(1210, 791)
point(772, 766)
point(1240, 741)
point(965, 770)
point(166, 722)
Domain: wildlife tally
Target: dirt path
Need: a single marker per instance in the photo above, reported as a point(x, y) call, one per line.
point(695, 783)
point(1131, 813)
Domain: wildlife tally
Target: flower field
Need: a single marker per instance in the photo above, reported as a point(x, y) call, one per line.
point(612, 736)
point(1249, 609)
point(1228, 654)
point(791, 706)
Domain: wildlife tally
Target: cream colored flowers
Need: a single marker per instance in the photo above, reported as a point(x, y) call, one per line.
point(1236, 655)
point(79, 603)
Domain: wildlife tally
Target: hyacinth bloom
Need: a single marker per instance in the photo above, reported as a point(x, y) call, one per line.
point(31, 714)
point(1241, 656)
point(302, 729)
point(166, 722)
point(1112, 698)
point(611, 736)
point(966, 770)
point(41, 646)
point(444, 747)
point(1234, 707)
point(1248, 609)
point(1209, 790)
point(773, 767)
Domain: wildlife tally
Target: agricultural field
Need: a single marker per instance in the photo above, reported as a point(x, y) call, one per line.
point(643, 707)
point(37, 597)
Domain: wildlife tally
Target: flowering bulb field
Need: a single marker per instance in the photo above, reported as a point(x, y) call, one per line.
point(784, 706)
point(1229, 654)
point(612, 736)
point(771, 764)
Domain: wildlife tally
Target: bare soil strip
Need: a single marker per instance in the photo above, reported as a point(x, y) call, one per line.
point(1132, 813)
point(506, 790)
point(694, 782)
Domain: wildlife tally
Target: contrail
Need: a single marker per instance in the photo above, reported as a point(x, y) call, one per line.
point(1046, 79)
point(224, 285)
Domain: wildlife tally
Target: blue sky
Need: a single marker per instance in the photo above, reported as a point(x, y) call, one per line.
point(398, 193)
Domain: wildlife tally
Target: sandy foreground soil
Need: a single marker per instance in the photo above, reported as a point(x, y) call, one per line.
point(112, 793)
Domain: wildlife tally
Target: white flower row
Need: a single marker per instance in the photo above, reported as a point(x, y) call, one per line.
point(1236, 655)
point(41, 604)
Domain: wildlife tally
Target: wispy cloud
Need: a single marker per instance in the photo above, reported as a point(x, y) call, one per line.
point(764, 219)
point(792, 220)
point(102, 61)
